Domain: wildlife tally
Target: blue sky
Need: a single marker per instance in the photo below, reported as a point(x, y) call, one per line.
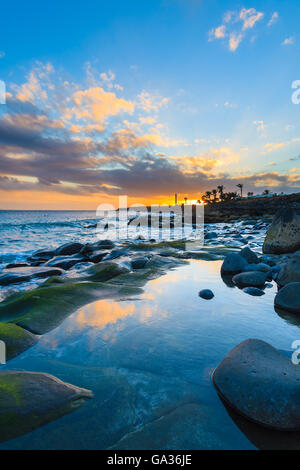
point(146, 99)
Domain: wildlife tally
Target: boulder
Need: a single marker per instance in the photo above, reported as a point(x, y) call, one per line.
point(29, 400)
point(261, 383)
point(69, 249)
point(18, 275)
point(117, 253)
point(97, 256)
point(139, 263)
point(289, 272)
point(284, 234)
point(16, 265)
point(104, 271)
point(233, 263)
point(16, 339)
point(264, 268)
point(64, 262)
point(251, 278)
point(206, 294)
point(249, 255)
point(288, 298)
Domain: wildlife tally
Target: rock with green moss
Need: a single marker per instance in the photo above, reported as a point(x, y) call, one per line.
point(29, 400)
point(104, 271)
point(44, 308)
point(16, 339)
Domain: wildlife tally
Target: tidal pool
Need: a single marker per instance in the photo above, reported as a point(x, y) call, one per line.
point(149, 362)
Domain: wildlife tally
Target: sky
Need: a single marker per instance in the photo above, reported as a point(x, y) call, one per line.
point(147, 99)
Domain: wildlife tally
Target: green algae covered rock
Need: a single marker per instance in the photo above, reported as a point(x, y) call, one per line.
point(16, 339)
point(29, 400)
point(104, 271)
point(44, 308)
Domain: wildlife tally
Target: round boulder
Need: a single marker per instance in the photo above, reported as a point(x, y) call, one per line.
point(251, 278)
point(262, 384)
point(288, 298)
point(206, 294)
point(233, 263)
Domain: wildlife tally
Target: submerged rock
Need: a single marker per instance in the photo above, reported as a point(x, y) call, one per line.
point(289, 272)
point(284, 234)
point(253, 291)
point(288, 298)
point(251, 278)
point(262, 384)
point(206, 294)
point(16, 339)
point(69, 249)
point(29, 400)
point(233, 263)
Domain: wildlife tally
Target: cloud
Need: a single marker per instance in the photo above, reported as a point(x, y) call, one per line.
point(235, 26)
point(260, 125)
point(273, 19)
point(288, 41)
point(279, 145)
point(250, 17)
point(59, 137)
point(2, 54)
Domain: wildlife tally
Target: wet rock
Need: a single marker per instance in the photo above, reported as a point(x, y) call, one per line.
point(18, 275)
point(16, 339)
point(253, 291)
point(251, 278)
point(97, 256)
point(117, 253)
point(211, 235)
point(284, 234)
point(64, 262)
point(233, 263)
point(69, 249)
point(16, 265)
point(270, 260)
point(105, 244)
point(289, 272)
point(29, 400)
point(249, 256)
point(262, 384)
point(44, 308)
point(264, 268)
point(104, 271)
point(139, 263)
point(206, 294)
point(288, 298)
point(44, 254)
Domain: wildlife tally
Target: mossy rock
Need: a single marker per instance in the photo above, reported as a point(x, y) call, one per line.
point(29, 400)
point(44, 308)
point(104, 271)
point(16, 339)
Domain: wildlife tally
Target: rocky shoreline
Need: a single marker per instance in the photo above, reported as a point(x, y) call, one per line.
point(77, 274)
point(264, 207)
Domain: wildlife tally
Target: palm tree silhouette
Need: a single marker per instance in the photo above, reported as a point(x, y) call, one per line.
point(241, 188)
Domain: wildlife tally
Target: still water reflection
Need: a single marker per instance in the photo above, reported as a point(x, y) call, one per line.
point(149, 361)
